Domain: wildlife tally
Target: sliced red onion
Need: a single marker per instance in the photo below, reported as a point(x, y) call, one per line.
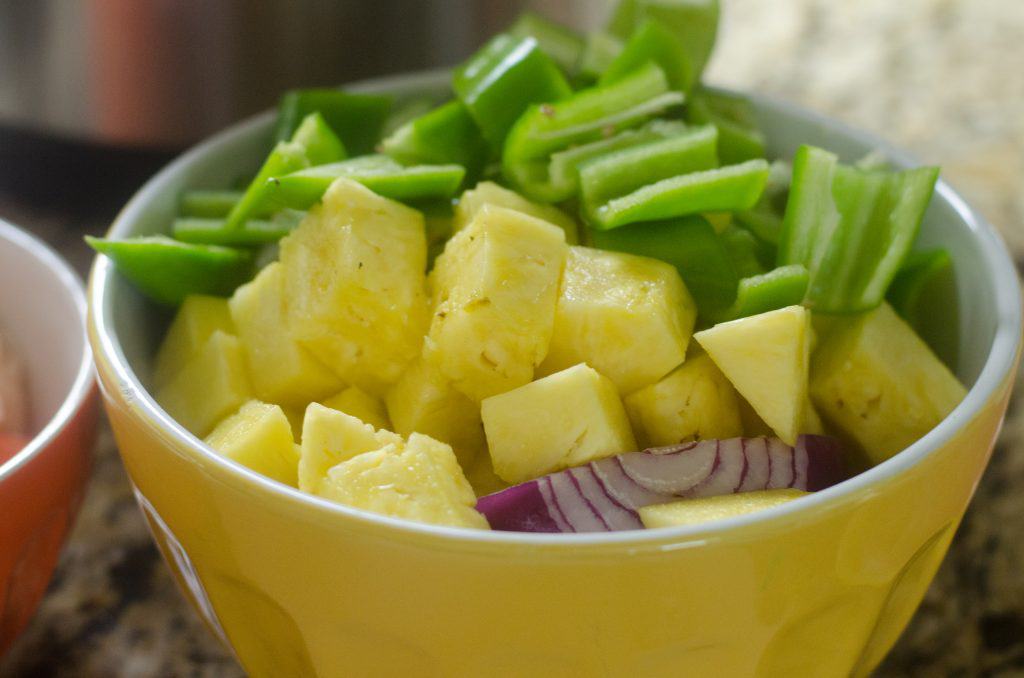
point(604, 495)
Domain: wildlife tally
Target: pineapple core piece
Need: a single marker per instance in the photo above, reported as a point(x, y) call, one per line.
point(329, 437)
point(212, 385)
point(694, 402)
point(354, 283)
point(282, 370)
point(628, 317)
point(565, 419)
point(423, 401)
point(419, 480)
point(495, 288)
point(490, 193)
point(259, 436)
point(358, 403)
point(879, 383)
point(198, 317)
point(706, 509)
point(766, 358)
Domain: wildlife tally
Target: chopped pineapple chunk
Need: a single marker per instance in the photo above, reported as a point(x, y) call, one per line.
point(706, 509)
point(490, 193)
point(259, 436)
point(198, 317)
point(358, 403)
point(329, 437)
point(495, 288)
point(419, 480)
point(354, 282)
point(282, 371)
point(694, 402)
point(628, 317)
point(423, 401)
point(565, 419)
point(813, 424)
point(766, 358)
point(482, 478)
point(210, 386)
point(878, 382)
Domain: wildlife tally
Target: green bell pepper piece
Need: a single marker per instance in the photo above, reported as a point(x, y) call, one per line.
point(621, 172)
point(738, 136)
point(748, 254)
point(763, 292)
point(502, 79)
point(253, 233)
point(208, 204)
point(444, 135)
point(167, 271)
point(764, 219)
point(357, 119)
point(688, 243)
point(851, 228)
point(563, 45)
point(318, 141)
point(405, 112)
point(694, 21)
point(924, 294)
point(725, 189)
point(652, 41)
point(599, 51)
point(302, 189)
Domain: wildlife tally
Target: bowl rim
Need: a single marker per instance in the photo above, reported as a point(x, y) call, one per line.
point(997, 368)
point(85, 378)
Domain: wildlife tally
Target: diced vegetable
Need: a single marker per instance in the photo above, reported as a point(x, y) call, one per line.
point(707, 509)
point(252, 233)
point(404, 112)
point(259, 436)
point(764, 219)
point(652, 41)
point(198, 317)
point(14, 403)
point(738, 137)
point(605, 495)
point(444, 136)
point(924, 294)
point(745, 251)
point(357, 119)
point(778, 288)
point(694, 21)
point(851, 229)
point(563, 45)
point(599, 51)
point(208, 204)
point(167, 271)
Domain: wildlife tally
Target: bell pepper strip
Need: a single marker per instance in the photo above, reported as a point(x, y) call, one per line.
point(738, 136)
point(924, 293)
point(688, 243)
point(318, 141)
point(302, 189)
point(444, 135)
point(725, 189)
point(563, 45)
point(652, 41)
point(695, 22)
point(851, 229)
point(253, 233)
point(502, 79)
point(357, 119)
point(764, 219)
point(621, 172)
point(208, 204)
point(599, 50)
point(405, 112)
point(747, 253)
point(778, 288)
point(167, 271)
point(589, 115)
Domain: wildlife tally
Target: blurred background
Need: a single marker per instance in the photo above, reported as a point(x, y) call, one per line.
point(96, 95)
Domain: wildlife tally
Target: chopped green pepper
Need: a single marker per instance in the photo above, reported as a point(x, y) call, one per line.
point(254, 232)
point(851, 228)
point(357, 119)
point(778, 288)
point(563, 45)
point(764, 219)
point(694, 21)
point(599, 51)
point(652, 41)
point(167, 271)
point(746, 252)
point(208, 203)
point(502, 79)
point(738, 136)
point(924, 293)
point(444, 135)
point(406, 112)
point(725, 189)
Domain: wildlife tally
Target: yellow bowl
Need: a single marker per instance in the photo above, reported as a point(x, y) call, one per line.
point(300, 586)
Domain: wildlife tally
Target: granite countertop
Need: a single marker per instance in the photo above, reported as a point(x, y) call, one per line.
point(941, 78)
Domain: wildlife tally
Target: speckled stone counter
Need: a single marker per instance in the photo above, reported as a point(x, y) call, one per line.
point(942, 78)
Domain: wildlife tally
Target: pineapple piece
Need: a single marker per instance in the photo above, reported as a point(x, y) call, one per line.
point(880, 384)
point(766, 358)
point(565, 419)
point(358, 403)
point(628, 317)
point(490, 193)
point(354, 281)
point(706, 509)
point(482, 478)
point(423, 401)
point(813, 425)
point(693, 402)
point(419, 480)
point(212, 385)
point(281, 370)
point(495, 288)
point(329, 437)
point(198, 317)
point(259, 436)
point(753, 425)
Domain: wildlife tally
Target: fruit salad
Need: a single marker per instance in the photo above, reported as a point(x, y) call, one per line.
point(573, 294)
point(14, 421)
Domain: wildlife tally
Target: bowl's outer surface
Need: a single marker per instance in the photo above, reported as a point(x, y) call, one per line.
point(301, 587)
point(41, 487)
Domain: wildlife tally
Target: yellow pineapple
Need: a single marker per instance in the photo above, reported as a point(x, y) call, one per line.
point(490, 193)
point(495, 288)
point(259, 436)
point(693, 402)
point(706, 509)
point(198, 317)
point(366, 408)
point(628, 317)
point(880, 384)
point(354, 282)
point(565, 419)
point(482, 478)
point(329, 437)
